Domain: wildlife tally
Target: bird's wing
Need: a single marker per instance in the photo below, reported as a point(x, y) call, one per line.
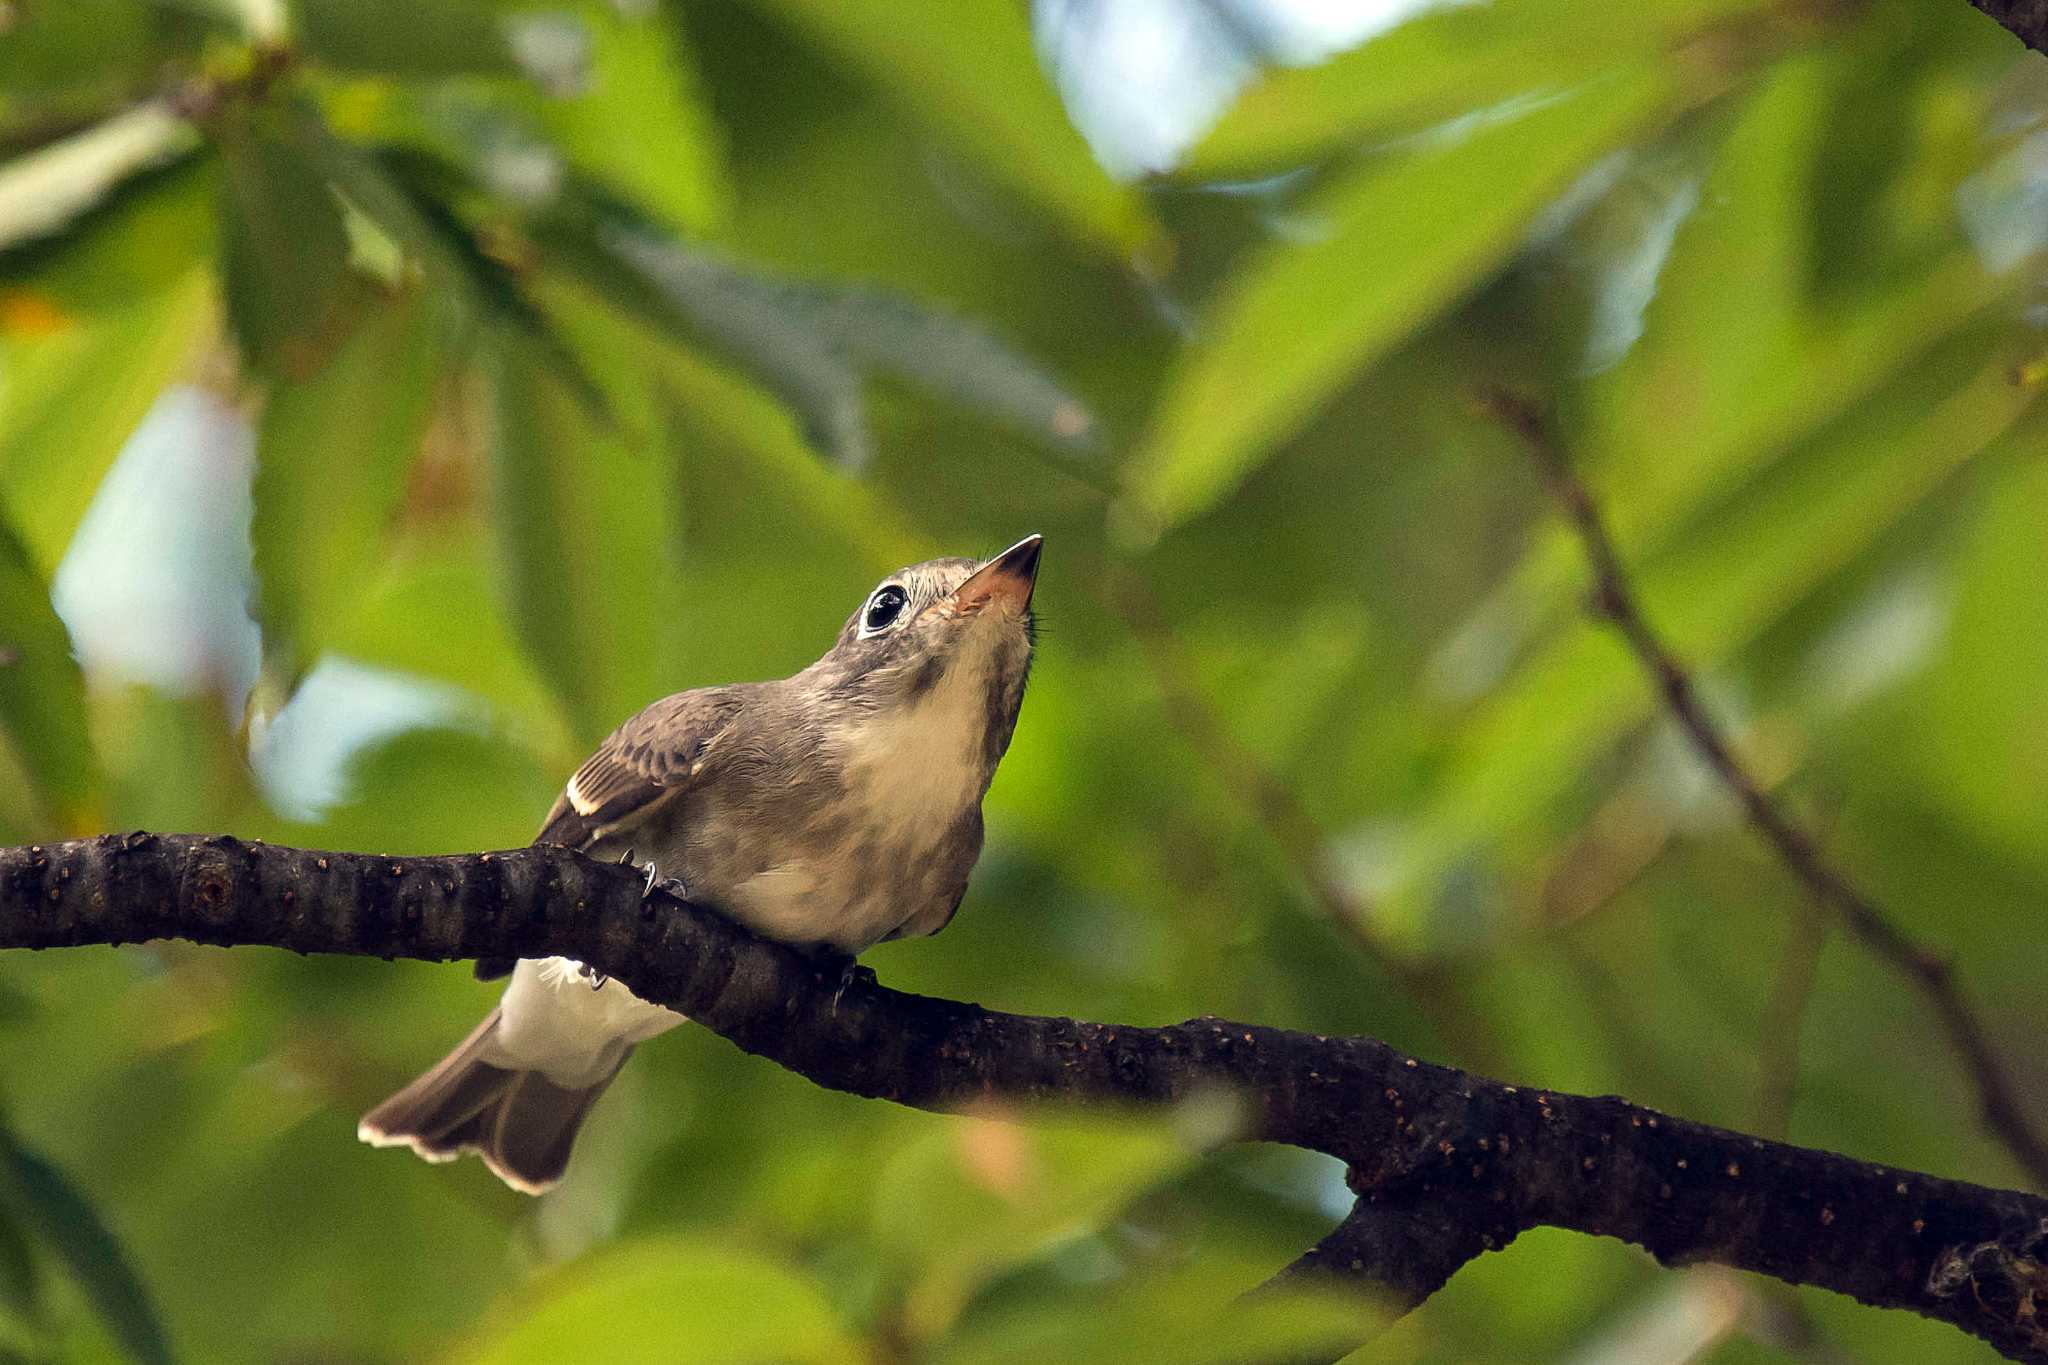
point(652, 756)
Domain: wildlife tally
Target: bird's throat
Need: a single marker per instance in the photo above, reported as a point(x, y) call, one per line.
point(914, 766)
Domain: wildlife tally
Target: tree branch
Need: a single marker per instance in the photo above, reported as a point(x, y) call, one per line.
point(1446, 1164)
point(1925, 966)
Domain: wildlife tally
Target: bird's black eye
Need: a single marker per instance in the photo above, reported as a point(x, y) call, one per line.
point(884, 607)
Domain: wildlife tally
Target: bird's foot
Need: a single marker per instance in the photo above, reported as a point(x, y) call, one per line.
point(672, 886)
point(843, 970)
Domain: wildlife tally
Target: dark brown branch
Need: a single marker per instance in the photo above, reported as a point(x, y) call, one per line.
point(1445, 1163)
point(1927, 968)
point(1407, 1242)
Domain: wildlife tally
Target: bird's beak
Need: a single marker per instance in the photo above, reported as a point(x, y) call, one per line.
point(1006, 578)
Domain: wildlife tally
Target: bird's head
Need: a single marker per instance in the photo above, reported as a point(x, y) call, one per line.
point(951, 628)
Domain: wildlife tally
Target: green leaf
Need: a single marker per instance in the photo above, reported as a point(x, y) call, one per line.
point(1979, 695)
point(977, 1195)
point(73, 397)
point(1398, 241)
point(1736, 366)
point(42, 693)
point(686, 1300)
point(815, 346)
point(412, 195)
point(1209, 1310)
point(284, 251)
point(741, 448)
point(396, 38)
point(968, 72)
point(392, 190)
point(741, 466)
point(408, 194)
point(148, 234)
point(949, 356)
point(1710, 595)
point(333, 452)
point(64, 1218)
point(79, 61)
point(1737, 361)
point(21, 1278)
point(49, 47)
point(640, 78)
point(1435, 67)
point(42, 192)
point(439, 769)
point(173, 762)
point(750, 321)
point(585, 537)
point(437, 609)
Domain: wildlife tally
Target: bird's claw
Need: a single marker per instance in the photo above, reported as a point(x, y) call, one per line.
point(850, 971)
point(672, 886)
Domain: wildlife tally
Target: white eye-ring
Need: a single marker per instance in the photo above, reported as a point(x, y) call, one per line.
point(884, 609)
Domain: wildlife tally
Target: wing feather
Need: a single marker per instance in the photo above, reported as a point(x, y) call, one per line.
point(651, 756)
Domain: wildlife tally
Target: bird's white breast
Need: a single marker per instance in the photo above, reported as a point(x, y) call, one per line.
point(908, 774)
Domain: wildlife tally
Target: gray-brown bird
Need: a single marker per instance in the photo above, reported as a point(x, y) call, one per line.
point(830, 810)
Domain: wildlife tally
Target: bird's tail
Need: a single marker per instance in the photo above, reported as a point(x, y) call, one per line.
point(522, 1124)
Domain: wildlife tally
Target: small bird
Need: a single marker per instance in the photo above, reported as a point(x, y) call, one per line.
point(830, 810)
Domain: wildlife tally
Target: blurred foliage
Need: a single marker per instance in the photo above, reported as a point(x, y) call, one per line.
point(595, 349)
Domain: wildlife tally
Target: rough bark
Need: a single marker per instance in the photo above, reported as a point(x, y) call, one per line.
point(1445, 1164)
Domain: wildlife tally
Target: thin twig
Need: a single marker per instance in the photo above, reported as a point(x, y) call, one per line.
point(1925, 966)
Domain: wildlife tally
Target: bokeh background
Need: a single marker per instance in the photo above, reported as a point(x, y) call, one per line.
point(395, 396)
